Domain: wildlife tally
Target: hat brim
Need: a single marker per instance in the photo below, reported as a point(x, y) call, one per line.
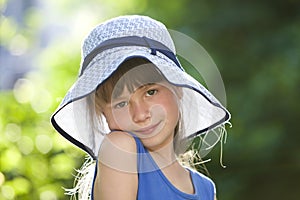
point(201, 111)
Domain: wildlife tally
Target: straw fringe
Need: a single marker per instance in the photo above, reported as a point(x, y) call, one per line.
point(193, 157)
point(83, 181)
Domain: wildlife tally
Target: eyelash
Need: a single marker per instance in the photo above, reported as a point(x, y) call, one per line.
point(119, 105)
point(122, 104)
point(151, 90)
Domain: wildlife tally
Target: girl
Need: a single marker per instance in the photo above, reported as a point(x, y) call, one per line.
point(135, 111)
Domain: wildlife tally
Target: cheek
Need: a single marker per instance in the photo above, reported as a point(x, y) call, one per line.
point(119, 120)
point(172, 108)
point(158, 111)
point(166, 109)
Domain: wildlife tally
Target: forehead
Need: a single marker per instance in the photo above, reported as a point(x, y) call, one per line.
point(126, 92)
point(161, 86)
point(136, 77)
point(130, 75)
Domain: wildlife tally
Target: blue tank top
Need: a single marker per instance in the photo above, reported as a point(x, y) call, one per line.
point(154, 185)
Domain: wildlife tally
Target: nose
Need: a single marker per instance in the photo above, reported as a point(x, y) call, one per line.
point(140, 112)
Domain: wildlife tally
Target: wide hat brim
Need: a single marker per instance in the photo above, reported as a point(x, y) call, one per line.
point(201, 111)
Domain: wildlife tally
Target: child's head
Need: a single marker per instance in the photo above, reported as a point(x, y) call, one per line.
point(131, 74)
point(138, 99)
point(114, 48)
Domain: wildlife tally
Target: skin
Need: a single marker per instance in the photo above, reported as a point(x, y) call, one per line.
point(151, 112)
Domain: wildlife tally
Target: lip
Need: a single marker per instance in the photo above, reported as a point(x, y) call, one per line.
point(147, 130)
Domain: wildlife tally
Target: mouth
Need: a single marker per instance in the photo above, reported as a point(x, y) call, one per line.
point(147, 130)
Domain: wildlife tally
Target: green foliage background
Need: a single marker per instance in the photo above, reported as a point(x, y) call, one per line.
point(256, 46)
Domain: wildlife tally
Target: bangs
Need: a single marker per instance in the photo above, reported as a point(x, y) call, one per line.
point(131, 74)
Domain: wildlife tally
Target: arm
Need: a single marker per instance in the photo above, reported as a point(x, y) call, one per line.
point(116, 177)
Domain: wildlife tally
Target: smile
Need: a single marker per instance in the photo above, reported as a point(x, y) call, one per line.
point(147, 130)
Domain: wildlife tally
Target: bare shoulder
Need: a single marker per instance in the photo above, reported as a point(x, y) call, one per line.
point(116, 167)
point(118, 151)
point(121, 140)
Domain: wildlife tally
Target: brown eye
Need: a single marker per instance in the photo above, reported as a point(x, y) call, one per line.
point(151, 92)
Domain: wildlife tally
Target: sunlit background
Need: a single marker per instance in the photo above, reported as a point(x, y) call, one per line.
point(255, 44)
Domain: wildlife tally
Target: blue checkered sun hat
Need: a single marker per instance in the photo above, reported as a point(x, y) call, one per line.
point(104, 49)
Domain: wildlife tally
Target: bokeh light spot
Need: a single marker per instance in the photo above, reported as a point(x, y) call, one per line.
point(13, 132)
point(48, 195)
point(2, 179)
point(43, 143)
point(25, 145)
point(8, 192)
point(23, 90)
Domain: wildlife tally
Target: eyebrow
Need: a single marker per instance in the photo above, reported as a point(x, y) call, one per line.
point(122, 96)
point(145, 85)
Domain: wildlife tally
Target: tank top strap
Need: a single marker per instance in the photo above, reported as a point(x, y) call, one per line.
point(139, 145)
point(145, 161)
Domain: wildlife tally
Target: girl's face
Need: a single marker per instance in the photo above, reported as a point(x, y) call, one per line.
point(151, 112)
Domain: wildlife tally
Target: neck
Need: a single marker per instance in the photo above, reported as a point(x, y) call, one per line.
point(164, 156)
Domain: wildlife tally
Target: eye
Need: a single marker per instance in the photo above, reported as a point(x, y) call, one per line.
point(151, 92)
point(121, 105)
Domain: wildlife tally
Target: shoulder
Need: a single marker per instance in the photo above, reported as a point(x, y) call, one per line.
point(116, 166)
point(118, 151)
point(203, 181)
point(122, 140)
